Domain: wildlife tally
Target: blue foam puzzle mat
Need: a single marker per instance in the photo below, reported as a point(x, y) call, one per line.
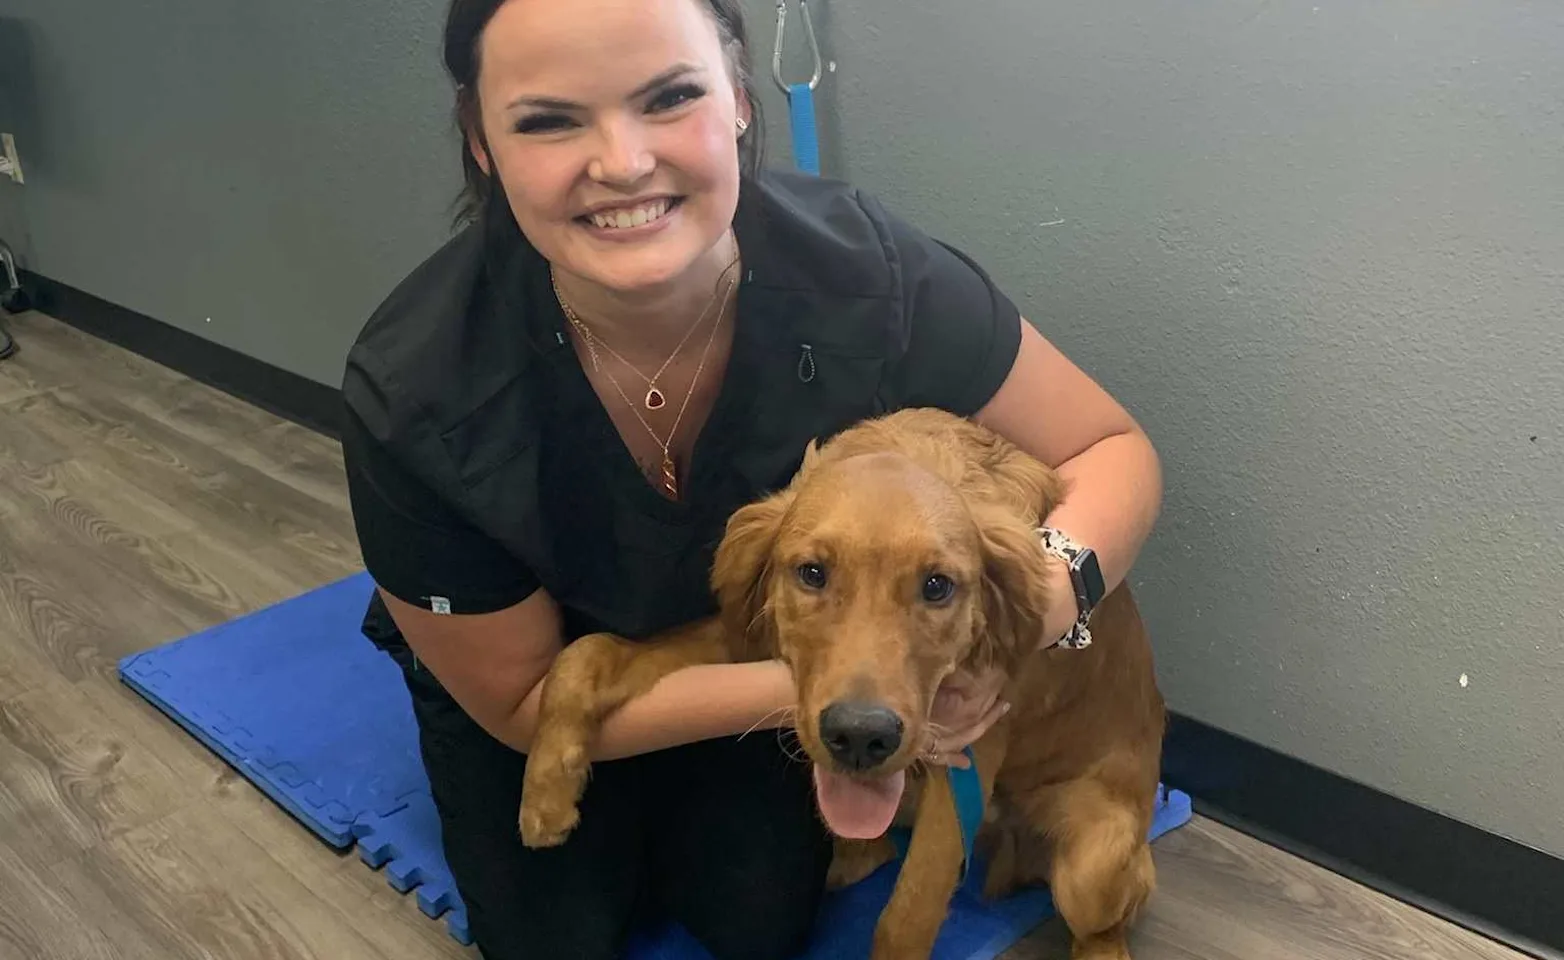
point(299, 702)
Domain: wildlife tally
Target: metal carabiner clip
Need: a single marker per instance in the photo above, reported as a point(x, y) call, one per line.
point(814, 46)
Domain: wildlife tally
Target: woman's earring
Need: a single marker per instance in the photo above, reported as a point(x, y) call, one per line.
point(743, 126)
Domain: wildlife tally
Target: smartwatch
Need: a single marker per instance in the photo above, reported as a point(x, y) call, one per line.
point(1085, 579)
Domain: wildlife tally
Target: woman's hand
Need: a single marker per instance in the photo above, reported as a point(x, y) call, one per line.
point(965, 707)
point(967, 704)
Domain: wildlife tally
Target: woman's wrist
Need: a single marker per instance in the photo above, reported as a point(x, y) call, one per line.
point(779, 696)
point(1062, 608)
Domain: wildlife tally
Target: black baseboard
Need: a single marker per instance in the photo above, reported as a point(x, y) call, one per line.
point(1487, 883)
point(286, 394)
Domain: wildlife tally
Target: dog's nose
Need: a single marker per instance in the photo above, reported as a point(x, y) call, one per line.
point(860, 736)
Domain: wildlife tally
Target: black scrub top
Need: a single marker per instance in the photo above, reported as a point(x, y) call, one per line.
point(482, 466)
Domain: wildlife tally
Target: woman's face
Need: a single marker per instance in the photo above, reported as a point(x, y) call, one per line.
point(613, 127)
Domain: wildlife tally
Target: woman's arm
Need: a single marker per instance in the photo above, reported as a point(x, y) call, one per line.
point(492, 665)
point(1049, 407)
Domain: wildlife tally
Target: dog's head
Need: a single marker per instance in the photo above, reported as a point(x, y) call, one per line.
point(875, 575)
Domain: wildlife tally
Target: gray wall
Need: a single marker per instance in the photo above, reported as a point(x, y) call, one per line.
point(271, 166)
point(1317, 246)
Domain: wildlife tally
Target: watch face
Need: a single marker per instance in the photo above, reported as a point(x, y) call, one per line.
point(1090, 576)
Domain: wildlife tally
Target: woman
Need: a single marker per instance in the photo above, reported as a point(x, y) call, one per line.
point(550, 420)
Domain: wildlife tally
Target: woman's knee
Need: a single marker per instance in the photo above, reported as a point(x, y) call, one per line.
point(577, 900)
point(744, 851)
point(523, 934)
point(780, 931)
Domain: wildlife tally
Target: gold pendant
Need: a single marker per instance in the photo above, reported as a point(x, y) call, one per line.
point(670, 479)
point(655, 399)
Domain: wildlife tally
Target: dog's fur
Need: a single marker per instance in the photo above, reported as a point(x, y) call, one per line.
point(1070, 772)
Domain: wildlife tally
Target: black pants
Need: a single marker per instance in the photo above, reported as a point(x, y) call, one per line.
point(721, 836)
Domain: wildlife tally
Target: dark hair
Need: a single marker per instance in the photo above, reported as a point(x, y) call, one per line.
point(464, 25)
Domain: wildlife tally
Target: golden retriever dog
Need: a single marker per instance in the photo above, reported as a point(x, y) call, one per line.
point(906, 548)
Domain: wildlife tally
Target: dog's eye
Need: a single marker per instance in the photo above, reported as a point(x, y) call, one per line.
point(812, 575)
point(938, 588)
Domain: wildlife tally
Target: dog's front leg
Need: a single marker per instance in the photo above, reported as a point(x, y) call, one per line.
point(911, 921)
point(588, 680)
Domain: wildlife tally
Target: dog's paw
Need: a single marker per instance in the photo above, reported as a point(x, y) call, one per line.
point(901, 944)
point(1001, 880)
point(999, 886)
point(551, 788)
point(548, 825)
point(1109, 946)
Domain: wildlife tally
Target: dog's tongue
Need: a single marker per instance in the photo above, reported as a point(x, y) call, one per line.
point(858, 809)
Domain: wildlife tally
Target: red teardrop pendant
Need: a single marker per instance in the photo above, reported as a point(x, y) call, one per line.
point(655, 399)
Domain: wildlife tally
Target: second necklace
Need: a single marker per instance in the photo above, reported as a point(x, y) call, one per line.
point(654, 399)
point(669, 470)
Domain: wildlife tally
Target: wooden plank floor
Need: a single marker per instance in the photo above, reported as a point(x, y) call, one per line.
point(137, 506)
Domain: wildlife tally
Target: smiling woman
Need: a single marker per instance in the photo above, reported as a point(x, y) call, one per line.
point(636, 331)
point(659, 156)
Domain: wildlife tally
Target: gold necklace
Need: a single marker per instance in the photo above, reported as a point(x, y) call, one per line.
point(654, 399)
point(670, 476)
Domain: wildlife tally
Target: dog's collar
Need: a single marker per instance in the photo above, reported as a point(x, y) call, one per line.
point(966, 787)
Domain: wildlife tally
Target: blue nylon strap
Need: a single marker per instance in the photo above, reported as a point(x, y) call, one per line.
point(966, 787)
point(806, 142)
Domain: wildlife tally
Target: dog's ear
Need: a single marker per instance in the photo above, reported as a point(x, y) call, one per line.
point(1015, 589)
point(1024, 480)
point(739, 572)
